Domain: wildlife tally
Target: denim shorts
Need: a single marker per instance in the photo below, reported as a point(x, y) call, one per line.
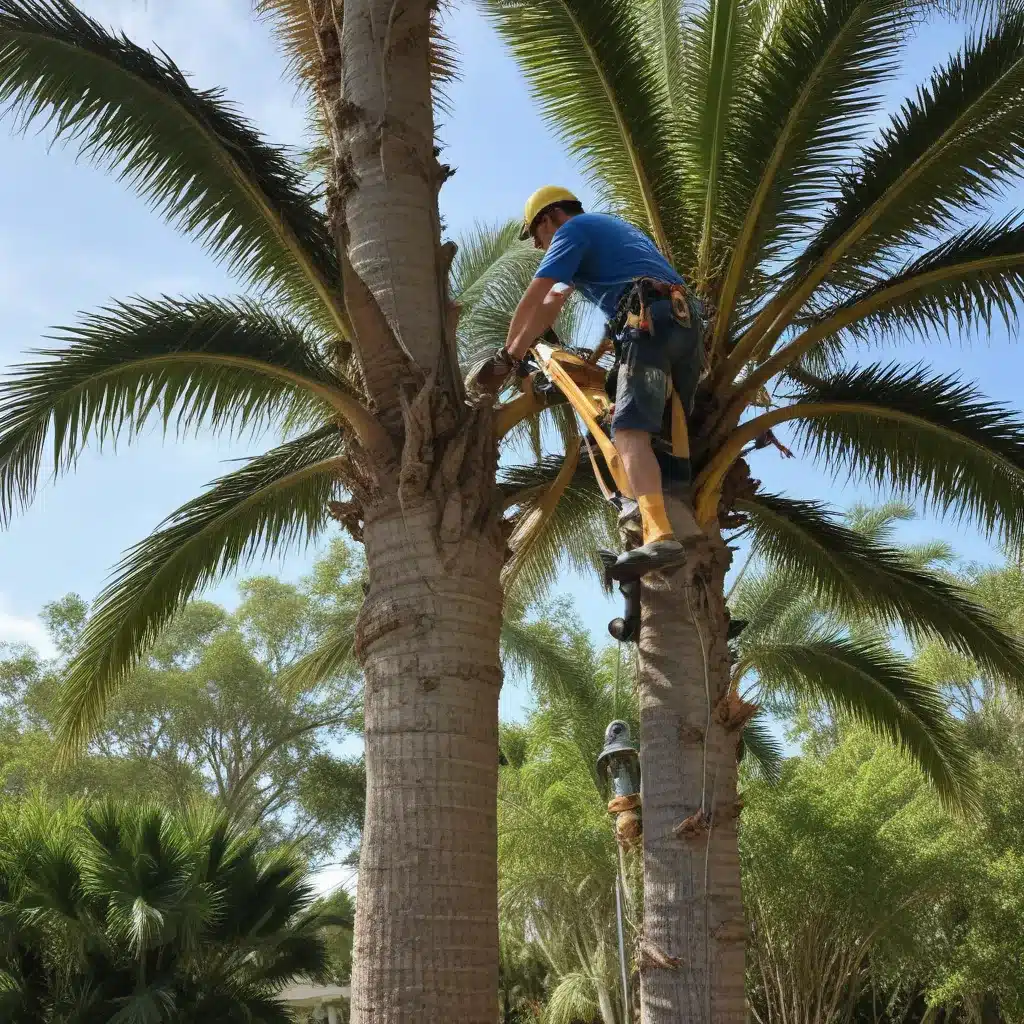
point(648, 361)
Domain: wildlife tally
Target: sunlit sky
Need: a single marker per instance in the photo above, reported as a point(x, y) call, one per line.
point(72, 238)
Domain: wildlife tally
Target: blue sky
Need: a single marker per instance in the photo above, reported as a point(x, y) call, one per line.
point(72, 238)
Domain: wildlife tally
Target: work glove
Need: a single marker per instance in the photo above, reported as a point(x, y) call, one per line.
point(488, 376)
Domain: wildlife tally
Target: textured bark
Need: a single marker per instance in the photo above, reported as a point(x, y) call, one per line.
point(426, 934)
point(692, 948)
point(391, 175)
point(426, 940)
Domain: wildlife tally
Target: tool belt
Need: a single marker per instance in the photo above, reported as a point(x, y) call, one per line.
point(634, 308)
point(633, 311)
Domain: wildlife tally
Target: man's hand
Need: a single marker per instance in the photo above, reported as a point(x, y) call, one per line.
point(488, 376)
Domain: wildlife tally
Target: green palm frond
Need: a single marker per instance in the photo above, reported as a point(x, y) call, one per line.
point(774, 604)
point(334, 655)
point(538, 651)
point(482, 249)
point(935, 437)
point(665, 42)
point(877, 523)
point(605, 101)
point(227, 364)
point(573, 999)
point(869, 681)
point(962, 285)
point(717, 57)
point(818, 74)
point(853, 575)
point(491, 271)
point(580, 523)
point(273, 501)
point(762, 752)
point(187, 151)
point(944, 154)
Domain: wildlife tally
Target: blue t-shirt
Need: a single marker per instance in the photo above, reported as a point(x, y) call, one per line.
point(600, 255)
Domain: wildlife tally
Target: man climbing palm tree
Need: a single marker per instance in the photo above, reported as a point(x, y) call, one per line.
point(653, 324)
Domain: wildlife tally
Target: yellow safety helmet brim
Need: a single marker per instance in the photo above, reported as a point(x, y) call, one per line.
point(540, 200)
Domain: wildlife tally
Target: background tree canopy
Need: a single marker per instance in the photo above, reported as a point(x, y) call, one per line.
point(219, 711)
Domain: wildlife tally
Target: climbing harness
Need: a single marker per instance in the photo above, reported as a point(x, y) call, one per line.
point(551, 374)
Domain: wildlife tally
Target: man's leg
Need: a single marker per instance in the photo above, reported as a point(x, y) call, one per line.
point(644, 475)
point(640, 397)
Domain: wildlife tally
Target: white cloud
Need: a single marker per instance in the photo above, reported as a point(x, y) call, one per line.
point(20, 629)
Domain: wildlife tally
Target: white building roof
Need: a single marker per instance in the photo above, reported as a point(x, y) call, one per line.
point(303, 994)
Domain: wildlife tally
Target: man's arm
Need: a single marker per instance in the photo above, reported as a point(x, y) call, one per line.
point(538, 309)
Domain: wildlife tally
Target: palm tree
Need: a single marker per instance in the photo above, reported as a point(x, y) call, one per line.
point(352, 339)
point(347, 335)
point(741, 135)
point(797, 650)
point(135, 915)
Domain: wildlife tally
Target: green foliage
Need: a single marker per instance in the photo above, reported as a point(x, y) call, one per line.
point(338, 911)
point(214, 711)
point(821, 606)
point(864, 898)
point(136, 914)
point(188, 152)
point(843, 862)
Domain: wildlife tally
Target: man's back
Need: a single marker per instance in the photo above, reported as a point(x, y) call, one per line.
point(600, 255)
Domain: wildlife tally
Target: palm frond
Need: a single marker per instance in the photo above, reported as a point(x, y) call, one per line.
point(226, 364)
point(773, 603)
point(578, 525)
point(869, 681)
point(574, 998)
point(762, 751)
point(603, 97)
point(538, 651)
point(953, 448)
point(944, 154)
point(818, 74)
point(962, 285)
point(716, 81)
point(852, 574)
point(877, 523)
point(186, 150)
point(273, 501)
point(334, 655)
point(491, 271)
point(482, 255)
point(665, 40)
point(295, 30)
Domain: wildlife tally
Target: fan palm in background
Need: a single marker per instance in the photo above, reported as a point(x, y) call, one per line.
point(137, 915)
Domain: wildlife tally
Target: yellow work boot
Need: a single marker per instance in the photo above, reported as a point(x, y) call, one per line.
point(661, 550)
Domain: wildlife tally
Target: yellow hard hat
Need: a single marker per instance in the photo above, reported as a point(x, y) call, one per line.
point(542, 198)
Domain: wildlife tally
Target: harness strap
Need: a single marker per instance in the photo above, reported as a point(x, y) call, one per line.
point(605, 489)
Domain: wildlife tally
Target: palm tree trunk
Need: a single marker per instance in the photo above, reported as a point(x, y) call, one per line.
point(692, 947)
point(426, 933)
point(426, 936)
